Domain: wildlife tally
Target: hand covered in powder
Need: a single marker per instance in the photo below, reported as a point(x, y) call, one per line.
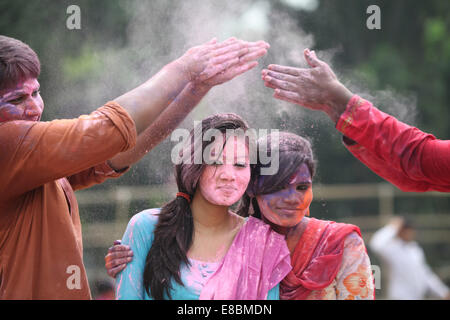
point(246, 62)
point(316, 88)
point(213, 63)
point(118, 257)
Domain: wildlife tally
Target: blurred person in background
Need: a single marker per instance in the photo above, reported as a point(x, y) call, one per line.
point(44, 162)
point(405, 156)
point(409, 276)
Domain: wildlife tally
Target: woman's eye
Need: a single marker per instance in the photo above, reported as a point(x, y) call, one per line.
point(302, 187)
point(36, 93)
point(241, 165)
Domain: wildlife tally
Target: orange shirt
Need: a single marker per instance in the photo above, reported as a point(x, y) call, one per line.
point(41, 163)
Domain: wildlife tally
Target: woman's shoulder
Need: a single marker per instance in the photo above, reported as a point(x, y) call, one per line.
point(257, 226)
point(353, 239)
point(145, 218)
point(337, 227)
point(346, 233)
point(141, 226)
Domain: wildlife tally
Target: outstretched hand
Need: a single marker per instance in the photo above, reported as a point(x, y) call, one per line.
point(247, 61)
point(316, 88)
point(214, 63)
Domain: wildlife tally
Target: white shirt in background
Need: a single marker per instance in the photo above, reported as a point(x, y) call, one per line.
point(410, 278)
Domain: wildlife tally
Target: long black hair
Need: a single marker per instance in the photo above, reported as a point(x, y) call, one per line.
point(292, 151)
point(173, 233)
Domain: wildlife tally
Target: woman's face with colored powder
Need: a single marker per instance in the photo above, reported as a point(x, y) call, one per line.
point(288, 206)
point(23, 102)
point(225, 181)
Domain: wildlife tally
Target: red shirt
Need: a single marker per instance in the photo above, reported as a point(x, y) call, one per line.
point(405, 156)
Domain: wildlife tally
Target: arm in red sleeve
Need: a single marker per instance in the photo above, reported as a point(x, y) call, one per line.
point(379, 166)
point(407, 157)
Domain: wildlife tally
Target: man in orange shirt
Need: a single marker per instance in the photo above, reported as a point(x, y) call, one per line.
point(44, 162)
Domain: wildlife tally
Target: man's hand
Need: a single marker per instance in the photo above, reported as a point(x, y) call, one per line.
point(316, 88)
point(201, 63)
point(208, 65)
point(118, 257)
point(246, 62)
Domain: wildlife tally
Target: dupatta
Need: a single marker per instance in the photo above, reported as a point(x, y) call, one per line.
point(258, 259)
point(316, 258)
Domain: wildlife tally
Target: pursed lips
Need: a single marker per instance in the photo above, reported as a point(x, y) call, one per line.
point(288, 210)
point(227, 188)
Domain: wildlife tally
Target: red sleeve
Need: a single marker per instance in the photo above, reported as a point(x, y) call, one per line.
point(405, 156)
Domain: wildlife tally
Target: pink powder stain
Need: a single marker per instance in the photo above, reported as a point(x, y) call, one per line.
point(288, 206)
point(257, 260)
point(22, 103)
point(9, 112)
point(224, 183)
